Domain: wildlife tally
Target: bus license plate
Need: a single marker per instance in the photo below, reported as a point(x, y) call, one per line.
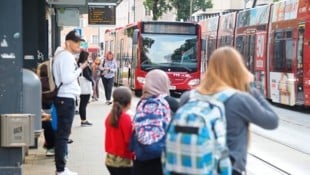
point(172, 88)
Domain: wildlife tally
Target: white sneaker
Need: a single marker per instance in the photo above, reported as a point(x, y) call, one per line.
point(50, 152)
point(66, 172)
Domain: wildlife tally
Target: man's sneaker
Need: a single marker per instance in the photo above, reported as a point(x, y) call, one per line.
point(70, 141)
point(86, 123)
point(66, 172)
point(50, 152)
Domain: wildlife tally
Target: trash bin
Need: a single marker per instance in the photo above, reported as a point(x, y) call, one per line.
point(17, 130)
point(31, 101)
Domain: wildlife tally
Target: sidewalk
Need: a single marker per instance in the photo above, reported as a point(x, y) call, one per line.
point(86, 153)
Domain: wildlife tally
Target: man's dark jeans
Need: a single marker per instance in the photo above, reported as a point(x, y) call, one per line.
point(65, 108)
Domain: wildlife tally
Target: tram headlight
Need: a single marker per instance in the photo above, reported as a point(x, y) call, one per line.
point(141, 80)
point(193, 82)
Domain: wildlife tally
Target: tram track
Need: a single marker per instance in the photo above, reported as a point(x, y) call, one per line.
point(281, 143)
point(277, 170)
point(268, 155)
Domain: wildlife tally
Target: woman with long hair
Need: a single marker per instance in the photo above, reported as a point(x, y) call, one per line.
point(86, 82)
point(226, 70)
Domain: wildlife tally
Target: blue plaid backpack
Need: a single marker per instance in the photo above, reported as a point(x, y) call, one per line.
point(196, 137)
point(149, 123)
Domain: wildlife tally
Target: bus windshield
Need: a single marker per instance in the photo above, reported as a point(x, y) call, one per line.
point(177, 53)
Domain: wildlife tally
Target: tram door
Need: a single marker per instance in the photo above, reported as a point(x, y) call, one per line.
point(300, 62)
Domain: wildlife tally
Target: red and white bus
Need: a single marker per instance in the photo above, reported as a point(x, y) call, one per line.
point(174, 47)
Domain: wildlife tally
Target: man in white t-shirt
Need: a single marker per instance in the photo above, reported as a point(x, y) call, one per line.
point(66, 72)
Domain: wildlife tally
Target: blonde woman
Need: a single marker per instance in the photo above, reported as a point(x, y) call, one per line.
point(227, 70)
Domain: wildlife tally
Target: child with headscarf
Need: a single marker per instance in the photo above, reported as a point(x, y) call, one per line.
point(156, 86)
point(157, 83)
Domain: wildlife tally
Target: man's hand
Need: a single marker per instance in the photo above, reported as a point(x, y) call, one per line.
point(46, 117)
point(83, 65)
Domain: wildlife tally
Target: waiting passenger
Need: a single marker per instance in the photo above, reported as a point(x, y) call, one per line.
point(118, 133)
point(155, 90)
point(108, 68)
point(227, 70)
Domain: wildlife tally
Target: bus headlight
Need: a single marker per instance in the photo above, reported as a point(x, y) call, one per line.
point(193, 82)
point(141, 80)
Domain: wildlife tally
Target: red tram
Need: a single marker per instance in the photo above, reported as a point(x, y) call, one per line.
point(275, 43)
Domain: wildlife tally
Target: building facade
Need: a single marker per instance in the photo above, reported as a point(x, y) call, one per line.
point(131, 11)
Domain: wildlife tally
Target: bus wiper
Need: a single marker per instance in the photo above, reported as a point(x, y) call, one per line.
point(181, 66)
point(148, 68)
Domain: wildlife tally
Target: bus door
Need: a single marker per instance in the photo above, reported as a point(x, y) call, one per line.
point(134, 60)
point(260, 61)
point(120, 62)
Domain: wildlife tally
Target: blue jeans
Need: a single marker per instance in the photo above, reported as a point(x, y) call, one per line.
point(65, 108)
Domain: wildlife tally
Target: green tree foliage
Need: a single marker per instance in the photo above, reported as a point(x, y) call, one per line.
point(158, 7)
point(183, 7)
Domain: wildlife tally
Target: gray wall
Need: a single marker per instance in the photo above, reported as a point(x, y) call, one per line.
point(11, 39)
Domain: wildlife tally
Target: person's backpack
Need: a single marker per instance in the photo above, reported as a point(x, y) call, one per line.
point(196, 137)
point(49, 88)
point(149, 123)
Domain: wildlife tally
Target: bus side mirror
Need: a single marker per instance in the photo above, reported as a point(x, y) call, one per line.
point(135, 36)
point(203, 45)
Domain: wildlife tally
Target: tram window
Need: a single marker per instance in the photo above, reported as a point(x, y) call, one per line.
point(289, 54)
point(278, 35)
point(239, 44)
point(228, 40)
point(282, 51)
point(300, 49)
point(289, 34)
point(278, 56)
point(211, 47)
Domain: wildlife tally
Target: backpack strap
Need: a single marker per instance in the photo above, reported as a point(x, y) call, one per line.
point(51, 67)
point(216, 99)
point(224, 95)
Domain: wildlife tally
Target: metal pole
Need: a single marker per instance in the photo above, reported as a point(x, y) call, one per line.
point(128, 4)
point(254, 3)
point(190, 10)
point(134, 11)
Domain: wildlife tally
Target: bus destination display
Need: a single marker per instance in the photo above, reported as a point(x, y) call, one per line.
point(169, 28)
point(101, 15)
